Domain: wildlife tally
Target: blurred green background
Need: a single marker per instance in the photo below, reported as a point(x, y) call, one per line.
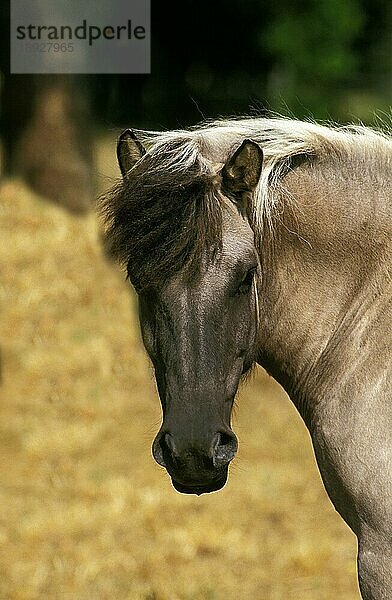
point(327, 59)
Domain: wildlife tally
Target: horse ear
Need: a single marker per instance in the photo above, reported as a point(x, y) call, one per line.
point(129, 151)
point(242, 171)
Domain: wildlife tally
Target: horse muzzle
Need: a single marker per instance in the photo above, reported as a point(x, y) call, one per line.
point(196, 468)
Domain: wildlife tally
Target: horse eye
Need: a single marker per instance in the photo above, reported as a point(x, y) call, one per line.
point(246, 283)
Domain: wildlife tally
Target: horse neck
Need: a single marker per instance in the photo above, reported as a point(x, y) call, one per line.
point(325, 297)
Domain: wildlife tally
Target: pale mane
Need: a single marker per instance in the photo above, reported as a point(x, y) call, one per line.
point(281, 139)
point(166, 215)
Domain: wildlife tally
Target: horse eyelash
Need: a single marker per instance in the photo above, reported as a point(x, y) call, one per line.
point(249, 275)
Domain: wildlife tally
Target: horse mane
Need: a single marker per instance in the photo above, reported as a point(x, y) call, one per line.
point(168, 211)
point(163, 216)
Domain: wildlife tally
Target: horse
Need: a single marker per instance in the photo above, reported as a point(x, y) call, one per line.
point(267, 241)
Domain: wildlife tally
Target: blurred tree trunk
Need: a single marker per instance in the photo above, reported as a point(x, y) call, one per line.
point(47, 137)
point(45, 128)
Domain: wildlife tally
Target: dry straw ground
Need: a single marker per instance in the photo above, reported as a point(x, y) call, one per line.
point(85, 512)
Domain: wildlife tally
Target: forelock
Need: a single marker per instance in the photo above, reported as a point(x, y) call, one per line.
point(162, 220)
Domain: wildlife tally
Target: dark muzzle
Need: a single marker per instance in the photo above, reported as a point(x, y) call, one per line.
point(196, 466)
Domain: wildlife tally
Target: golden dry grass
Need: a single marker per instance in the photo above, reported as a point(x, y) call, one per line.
point(85, 512)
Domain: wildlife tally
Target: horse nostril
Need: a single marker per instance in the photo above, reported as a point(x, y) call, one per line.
point(164, 449)
point(224, 448)
point(167, 443)
point(222, 451)
point(159, 449)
